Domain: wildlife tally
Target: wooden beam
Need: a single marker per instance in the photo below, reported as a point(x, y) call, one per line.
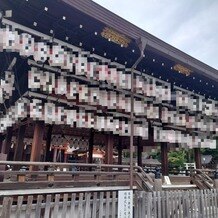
point(109, 144)
point(18, 154)
point(164, 159)
point(37, 141)
point(7, 143)
point(197, 155)
point(91, 143)
point(139, 151)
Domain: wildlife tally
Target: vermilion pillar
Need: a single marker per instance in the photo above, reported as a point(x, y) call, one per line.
point(109, 149)
point(197, 155)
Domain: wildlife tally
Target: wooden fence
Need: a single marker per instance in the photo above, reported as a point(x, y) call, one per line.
point(65, 203)
point(178, 204)
point(103, 203)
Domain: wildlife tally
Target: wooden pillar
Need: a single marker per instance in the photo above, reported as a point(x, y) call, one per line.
point(19, 148)
point(197, 155)
point(91, 143)
point(1, 141)
point(7, 142)
point(120, 149)
point(164, 159)
point(109, 149)
point(139, 152)
point(37, 141)
point(55, 151)
point(48, 157)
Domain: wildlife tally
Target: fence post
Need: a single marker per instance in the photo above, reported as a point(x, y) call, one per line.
point(157, 185)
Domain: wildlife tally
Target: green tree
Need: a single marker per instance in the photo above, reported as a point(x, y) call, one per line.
point(177, 158)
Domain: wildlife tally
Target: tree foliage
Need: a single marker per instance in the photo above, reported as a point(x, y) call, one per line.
point(177, 158)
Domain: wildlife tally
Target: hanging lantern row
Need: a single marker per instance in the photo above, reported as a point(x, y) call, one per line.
point(183, 119)
point(80, 63)
point(63, 85)
point(6, 86)
point(52, 114)
point(196, 104)
point(185, 140)
point(72, 90)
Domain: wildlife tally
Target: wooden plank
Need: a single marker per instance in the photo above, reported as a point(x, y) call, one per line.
point(184, 204)
point(209, 194)
point(38, 206)
point(159, 204)
point(155, 203)
point(80, 207)
point(173, 203)
point(180, 204)
point(64, 209)
point(205, 203)
point(139, 204)
point(136, 204)
point(170, 204)
point(47, 205)
point(144, 203)
point(114, 209)
point(6, 210)
point(195, 208)
point(101, 204)
point(167, 204)
point(29, 206)
point(191, 203)
point(87, 205)
point(163, 203)
point(60, 190)
point(202, 205)
point(213, 203)
point(216, 202)
point(200, 209)
point(94, 205)
point(176, 196)
point(56, 206)
point(149, 205)
point(19, 205)
point(188, 204)
point(72, 204)
point(107, 212)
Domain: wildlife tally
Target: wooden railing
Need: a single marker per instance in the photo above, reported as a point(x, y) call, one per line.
point(34, 175)
point(203, 178)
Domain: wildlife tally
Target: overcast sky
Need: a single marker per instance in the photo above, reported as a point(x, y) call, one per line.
point(190, 25)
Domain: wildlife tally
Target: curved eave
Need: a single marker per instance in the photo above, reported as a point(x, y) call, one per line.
point(110, 19)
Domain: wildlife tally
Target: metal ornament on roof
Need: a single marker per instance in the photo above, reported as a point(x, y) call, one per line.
point(116, 37)
point(181, 69)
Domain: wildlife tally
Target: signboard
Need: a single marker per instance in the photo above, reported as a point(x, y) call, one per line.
point(125, 204)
